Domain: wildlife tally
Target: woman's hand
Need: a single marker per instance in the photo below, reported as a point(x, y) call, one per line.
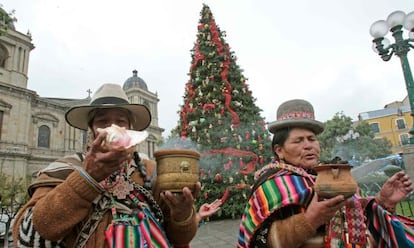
point(321, 212)
point(101, 161)
point(394, 190)
point(208, 209)
point(181, 205)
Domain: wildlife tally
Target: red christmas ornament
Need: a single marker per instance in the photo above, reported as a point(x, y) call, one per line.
point(183, 134)
point(240, 186)
point(222, 111)
point(261, 159)
point(218, 178)
point(228, 165)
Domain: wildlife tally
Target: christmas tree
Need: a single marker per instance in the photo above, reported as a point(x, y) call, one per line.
point(219, 114)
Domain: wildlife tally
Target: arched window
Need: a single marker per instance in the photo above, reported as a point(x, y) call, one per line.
point(43, 140)
point(4, 54)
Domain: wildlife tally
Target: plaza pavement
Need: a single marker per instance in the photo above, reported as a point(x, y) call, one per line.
point(218, 234)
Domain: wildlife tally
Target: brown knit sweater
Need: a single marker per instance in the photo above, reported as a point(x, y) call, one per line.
point(61, 205)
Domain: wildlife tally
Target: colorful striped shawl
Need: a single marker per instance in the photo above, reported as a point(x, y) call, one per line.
point(286, 188)
point(391, 231)
point(281, 189)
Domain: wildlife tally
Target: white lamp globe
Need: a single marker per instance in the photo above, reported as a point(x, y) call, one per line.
point(396, 18)
point(409, 21)
point(379, 29)
point(385, 44)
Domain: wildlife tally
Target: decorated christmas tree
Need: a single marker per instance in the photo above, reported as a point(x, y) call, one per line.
point(219, 115)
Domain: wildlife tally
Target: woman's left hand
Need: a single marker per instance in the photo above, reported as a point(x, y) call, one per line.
point(181, 205)
point(395, 189)
point(208, 209)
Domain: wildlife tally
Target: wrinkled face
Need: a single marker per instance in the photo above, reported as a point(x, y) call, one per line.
point(106, 117)
point(300, 149)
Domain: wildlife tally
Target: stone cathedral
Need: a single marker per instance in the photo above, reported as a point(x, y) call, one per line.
point(33, 130)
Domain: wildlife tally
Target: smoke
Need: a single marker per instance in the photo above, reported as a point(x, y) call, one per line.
point(178, 143)
point(347, 152)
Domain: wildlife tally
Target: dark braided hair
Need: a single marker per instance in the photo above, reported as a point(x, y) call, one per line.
point(279, 138)
point(142, 170)
point(145, 190)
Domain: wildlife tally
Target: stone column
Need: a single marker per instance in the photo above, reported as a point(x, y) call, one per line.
point(408, 156)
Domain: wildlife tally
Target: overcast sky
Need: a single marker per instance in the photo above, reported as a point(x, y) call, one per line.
point(318, 50)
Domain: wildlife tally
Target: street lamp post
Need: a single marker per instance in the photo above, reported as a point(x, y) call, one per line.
point(395, 23)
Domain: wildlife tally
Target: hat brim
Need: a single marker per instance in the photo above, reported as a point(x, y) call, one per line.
point(78, 116)
point(316, 126)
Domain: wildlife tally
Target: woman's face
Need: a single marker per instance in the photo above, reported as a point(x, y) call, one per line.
point(300, 149)
point(106, 117)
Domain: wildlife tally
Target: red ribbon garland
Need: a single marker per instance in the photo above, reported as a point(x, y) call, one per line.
point(186, 108)
point(229, 151)
point(215, 37)
point(224, 73)
point(197, 56)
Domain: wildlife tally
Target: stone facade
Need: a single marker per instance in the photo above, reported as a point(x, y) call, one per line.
point(33, 130)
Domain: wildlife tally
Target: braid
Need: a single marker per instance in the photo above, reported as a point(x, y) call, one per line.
point(142, 170)
point(146, 188)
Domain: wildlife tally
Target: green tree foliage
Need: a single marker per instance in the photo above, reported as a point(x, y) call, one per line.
point(13, 196)
point(364, 129)
point(342, 138)
point(338, 126)
point(13, 192)
point(7, 19)
point(219, 114)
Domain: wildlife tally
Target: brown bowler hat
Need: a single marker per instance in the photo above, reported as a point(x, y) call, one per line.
point(296, 113)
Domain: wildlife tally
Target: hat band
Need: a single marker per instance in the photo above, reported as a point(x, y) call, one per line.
point(109, 100)
point(297, 114)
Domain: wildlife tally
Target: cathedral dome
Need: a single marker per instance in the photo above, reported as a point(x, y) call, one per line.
point(135, 82)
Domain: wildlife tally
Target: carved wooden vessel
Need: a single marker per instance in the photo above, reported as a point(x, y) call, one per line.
point(176, 168)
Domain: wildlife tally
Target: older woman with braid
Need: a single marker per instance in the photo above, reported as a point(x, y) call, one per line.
point(285, 211)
